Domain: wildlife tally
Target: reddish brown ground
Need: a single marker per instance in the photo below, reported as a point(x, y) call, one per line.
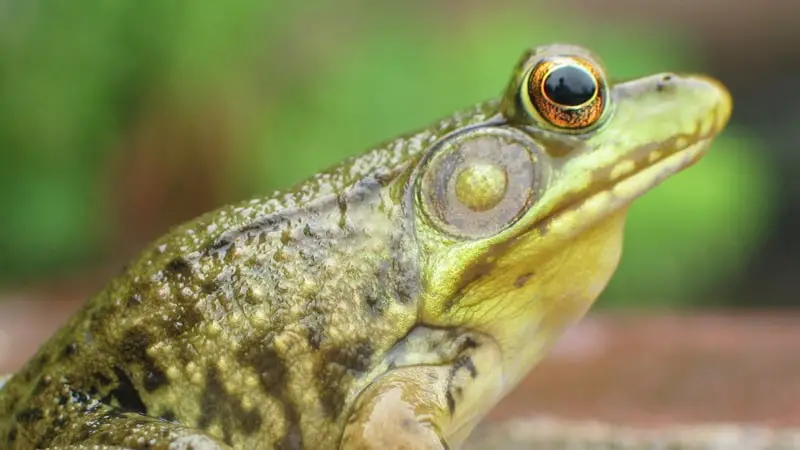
point(656, 370)
point(626, 369)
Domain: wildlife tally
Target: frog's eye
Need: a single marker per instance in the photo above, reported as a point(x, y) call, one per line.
point(479, 182)
point(567, 92)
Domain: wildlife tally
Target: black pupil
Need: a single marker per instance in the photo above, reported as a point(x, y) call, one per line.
point(569, 86)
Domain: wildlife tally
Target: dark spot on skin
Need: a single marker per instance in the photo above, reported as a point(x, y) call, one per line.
point(168, 415)
point(451, 402)
point(12, 435)
point(373, 302)
point(218, 245)
point(356, 357)
point(339, 364)
point(69, 350)
point(210, 287)
point(522, 279)
point(186, 319)
point(408, 425)
point(125, 394)
point(133, 350)
point(265, 223)
point(178, 268)
point(256, 227)
point(463, 362)
point(398, 276)
point(375, 293)
point(315, 334)
point(78, 397)
point(315, 323)
point(273, 375)
point(342, 203)
point(662, 82)
point(154, 380)
point(101, 379)
point(218, 405)
point(468, 344)
point(29, 415)
point(332, 397)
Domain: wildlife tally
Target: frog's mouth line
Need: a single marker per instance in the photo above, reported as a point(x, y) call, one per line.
point(612, 194)
point(653, 173)
point(640, 181)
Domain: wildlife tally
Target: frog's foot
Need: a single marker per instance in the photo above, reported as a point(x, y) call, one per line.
point(425, 406)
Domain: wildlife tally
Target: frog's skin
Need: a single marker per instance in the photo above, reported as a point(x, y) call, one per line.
point(378, 304)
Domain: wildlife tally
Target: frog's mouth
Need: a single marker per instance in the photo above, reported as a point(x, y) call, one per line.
point(616, 186)
point(648, 167)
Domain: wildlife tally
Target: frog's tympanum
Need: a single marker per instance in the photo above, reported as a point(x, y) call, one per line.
point(388, 302)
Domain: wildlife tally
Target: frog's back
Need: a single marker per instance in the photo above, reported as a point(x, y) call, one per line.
point(259, 322)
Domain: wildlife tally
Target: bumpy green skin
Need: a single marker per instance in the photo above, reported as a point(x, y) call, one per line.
point(257, 324)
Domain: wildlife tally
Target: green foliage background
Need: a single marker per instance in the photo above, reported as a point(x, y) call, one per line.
point(299, 87)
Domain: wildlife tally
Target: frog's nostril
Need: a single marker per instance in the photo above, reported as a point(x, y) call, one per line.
point(665, 81)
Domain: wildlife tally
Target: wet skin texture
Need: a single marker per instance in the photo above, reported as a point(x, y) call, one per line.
point(388, 302)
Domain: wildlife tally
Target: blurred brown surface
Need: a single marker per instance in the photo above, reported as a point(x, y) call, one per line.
point(551, 434)
point(658, 370)
point(641, 370)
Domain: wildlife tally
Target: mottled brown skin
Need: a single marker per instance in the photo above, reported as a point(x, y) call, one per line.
point(345, 313)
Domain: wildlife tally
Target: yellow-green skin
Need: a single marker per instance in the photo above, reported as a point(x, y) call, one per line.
point(342, 313)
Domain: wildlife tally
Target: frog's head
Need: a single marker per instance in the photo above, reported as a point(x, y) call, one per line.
point(520, 218)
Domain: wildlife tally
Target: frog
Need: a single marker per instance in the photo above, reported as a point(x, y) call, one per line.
point(390, 301)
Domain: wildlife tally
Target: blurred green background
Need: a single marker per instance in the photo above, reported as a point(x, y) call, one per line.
point(121, 119)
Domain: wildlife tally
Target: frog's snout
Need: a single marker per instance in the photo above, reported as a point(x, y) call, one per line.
point(711, 100)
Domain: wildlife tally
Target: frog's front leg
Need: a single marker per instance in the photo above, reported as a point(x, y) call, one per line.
point(427, 406)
